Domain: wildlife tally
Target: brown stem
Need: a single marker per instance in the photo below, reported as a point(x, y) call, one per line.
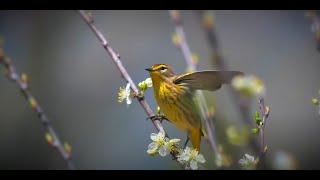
point(88, 18)
point(315, 22)
point(56, 142)
point(264, 111)
point(185, 49)
point(221, 64)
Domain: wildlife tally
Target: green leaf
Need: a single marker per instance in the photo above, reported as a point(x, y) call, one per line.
point(257, 118)
point(255, 130)
point(315, 101)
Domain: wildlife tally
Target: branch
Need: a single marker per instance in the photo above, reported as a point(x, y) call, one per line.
point(218, 60)
point(315, 26)
point(88, 18)
point(51, 135)
point(184, 47)
point(264, 111)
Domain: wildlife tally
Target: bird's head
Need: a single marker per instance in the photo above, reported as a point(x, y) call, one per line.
point(161, 70)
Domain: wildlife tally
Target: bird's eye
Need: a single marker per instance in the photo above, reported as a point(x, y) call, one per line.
point(163, 69)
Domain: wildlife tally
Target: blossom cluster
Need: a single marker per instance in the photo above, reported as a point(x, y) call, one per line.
point(248, 162)
point(249, 85)
point(163, 146)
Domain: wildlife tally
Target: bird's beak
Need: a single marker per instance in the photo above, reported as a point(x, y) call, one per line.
point(149, 69)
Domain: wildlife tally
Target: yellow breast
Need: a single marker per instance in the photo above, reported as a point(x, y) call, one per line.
point(177, 106)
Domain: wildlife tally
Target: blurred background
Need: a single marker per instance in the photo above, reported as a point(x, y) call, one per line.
point(76, 83)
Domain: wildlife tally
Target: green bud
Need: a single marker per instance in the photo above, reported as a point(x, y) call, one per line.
point(142, 86)
point(158, 110)
point(257, 118)
point(315, 101)
point(255, 130)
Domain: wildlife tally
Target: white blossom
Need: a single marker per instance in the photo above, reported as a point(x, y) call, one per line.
point(249, 85)
point(148, 81)
point(248, 162)
point(125, 94)
point(161, 145)
point(191, 158)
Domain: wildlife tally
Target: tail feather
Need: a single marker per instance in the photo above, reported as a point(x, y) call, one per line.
point(195, 138)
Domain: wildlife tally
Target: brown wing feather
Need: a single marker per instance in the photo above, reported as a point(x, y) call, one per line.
point(206, 80)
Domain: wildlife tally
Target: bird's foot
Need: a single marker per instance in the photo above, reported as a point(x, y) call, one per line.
point(139, 95)
point(159, 117)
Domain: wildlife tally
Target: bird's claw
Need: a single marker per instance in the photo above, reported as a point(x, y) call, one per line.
point(159, 117)
point(138, 95)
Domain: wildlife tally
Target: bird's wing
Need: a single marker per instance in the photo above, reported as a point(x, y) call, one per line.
point(206, 80)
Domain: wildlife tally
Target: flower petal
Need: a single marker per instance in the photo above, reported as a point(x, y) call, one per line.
point(163, 151)
point(174, 141)
point(200, 158)
point(242, 162)
point(128, 90)
point(152, 148)
point(148, 82)
point(153, 136)
point(161, 135)
point(128, 100)
point(128, 93)
point(249, 157)
point(153, 145)
point(193, 165)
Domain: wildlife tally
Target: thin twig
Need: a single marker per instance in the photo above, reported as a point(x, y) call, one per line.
point(221, 64)
point(185, 49)
point(88, 18)
point(264, 111)
point(21, 81)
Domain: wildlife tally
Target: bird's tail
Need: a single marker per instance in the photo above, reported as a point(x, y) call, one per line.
point(195, 138)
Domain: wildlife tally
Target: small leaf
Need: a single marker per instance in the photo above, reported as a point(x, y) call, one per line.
point(315, 101)
point(176, 39)
point(33, 103)
point(49, 138)
point(255, 130)
point(24, 80)
point(257, 118)
point(257, 115)
point(208, 21)
point(67, 147)
point(158, 110)
point(195, 58)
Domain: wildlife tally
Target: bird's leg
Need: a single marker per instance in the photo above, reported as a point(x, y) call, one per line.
point(159, 117)
point(185, 144)
point(139, 96)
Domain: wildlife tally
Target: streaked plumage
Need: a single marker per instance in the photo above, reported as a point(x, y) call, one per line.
point(174, 95)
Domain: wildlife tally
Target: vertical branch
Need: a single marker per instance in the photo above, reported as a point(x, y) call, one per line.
point(185, 49)
point(51, 136)
point(218, 60)
point(88, 18)
point(264, 111)
point(315, 26)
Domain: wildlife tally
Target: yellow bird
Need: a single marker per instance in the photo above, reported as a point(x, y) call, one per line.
point(174, 95)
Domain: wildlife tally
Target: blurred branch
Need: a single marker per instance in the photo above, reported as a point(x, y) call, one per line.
point(218, 60)
point(315, 26)
point(51, 135)
point(192, 66)
point(264, 111)
point(88, 18)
